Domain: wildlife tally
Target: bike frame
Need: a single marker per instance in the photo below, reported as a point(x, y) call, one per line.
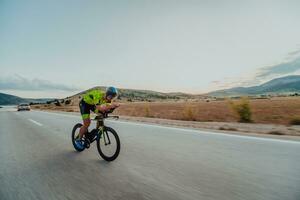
point(100, 127)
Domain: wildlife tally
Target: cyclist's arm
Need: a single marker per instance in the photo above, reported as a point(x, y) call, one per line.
point(106, 107)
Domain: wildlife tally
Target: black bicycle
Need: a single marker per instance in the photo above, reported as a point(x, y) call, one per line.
point(108, 142)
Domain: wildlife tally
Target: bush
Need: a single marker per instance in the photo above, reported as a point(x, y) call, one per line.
point(57, 103)
point(276, 133)
point(147, 111)
point(295, 121)
point(224, 128)
point(189, 114)
point(242, 108)
point(68, 101)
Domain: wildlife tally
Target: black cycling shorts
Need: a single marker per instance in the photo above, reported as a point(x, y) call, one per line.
point(85, 109)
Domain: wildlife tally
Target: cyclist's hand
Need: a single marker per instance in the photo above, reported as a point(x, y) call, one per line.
point(115, 105)
point(107, 108)
point(103, 108)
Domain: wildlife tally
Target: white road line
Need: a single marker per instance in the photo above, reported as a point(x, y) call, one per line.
point(60, 114)
point(35, 122)
point(191, 131)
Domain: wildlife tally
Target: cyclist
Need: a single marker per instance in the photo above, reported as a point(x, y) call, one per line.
point(96, 101)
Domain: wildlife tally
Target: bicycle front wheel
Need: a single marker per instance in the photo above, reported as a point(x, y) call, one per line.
point(108, 144)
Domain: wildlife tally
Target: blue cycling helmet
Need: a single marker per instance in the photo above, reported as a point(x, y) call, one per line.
point(112, 91)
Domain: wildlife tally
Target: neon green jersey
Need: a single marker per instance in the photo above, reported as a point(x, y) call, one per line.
point(95, 97)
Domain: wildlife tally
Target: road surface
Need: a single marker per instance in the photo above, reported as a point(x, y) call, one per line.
point(39, 162)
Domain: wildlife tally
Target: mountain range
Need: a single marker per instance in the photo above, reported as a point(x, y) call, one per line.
point(283, 85)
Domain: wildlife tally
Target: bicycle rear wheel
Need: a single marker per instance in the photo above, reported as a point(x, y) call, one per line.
point(75, 135)
point(108, 144)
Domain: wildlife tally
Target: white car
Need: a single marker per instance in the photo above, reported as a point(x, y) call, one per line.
point(23, 106)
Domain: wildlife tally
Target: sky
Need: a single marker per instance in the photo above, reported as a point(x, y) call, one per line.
point(57, 48)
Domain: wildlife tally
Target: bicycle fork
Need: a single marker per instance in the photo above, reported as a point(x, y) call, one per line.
point(103, 133)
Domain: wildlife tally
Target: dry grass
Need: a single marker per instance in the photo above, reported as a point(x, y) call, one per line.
point(274, 111)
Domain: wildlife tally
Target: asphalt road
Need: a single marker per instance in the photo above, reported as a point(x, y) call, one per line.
point(37, 161)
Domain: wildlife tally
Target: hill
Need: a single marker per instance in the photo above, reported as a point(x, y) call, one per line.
point(283, 85)
point(7, 99)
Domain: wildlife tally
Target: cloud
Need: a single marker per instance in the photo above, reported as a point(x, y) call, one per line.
point(216, 82)
point(279, 69)
point(264, 74)
point(291, 66)
point(18, 82)
point(293, 53)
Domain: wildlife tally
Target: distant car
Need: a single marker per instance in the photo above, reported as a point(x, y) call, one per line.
point(23, 106)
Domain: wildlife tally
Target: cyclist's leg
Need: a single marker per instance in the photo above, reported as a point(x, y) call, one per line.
point(84, 128)
point(86, 120)
point(85, 113)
